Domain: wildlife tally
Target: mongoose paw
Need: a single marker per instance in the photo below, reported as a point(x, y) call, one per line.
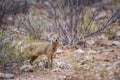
point(31, 63)
point(46, 65)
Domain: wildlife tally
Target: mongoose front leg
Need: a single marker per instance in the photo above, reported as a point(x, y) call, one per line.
point(48, 62)
point(33, 57)
point(51, 61)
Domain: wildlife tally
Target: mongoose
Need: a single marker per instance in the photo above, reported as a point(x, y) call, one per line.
point(47, 48)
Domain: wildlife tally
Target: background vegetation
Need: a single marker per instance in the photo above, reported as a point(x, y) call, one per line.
point(25, 21)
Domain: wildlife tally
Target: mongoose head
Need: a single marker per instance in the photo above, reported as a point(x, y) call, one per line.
point(54, 38)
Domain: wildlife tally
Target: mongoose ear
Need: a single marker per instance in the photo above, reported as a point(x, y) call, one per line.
point(50, 36)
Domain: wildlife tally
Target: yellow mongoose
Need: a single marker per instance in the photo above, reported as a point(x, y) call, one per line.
point(47, 48)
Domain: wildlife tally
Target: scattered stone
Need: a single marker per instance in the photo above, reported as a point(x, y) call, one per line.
point(107, 50)
point(116, 43)
point(26, 68)
point(9, 76)
point(2, 75)
point(115, 65)
point(6, 76)
point(118, 33)
point(98, 77)
point(91, 52)
point(32, 76)
point(57, 70)
point(41, 66)
point(62, 78)
point(62, 65)
point(80, 51)
point(91, 42)
point(79, 55)
point(88, 58)
point(118, 58)
point(59, 51)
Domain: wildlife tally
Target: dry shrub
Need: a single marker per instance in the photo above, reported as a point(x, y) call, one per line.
point(111, 32)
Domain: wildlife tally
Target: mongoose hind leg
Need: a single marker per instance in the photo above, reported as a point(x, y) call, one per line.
point(46, 65)
point(32, 59)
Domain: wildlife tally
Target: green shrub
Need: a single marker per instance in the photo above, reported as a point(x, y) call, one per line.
point(111, 32)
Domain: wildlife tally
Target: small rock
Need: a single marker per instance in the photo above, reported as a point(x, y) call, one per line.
point(80, 51)
point(116, 43)
point(6, 76)
point(91, 52)
point(62, 78)
point(41, 66)
point(26, 68)
point(115, 65)
point(91, 42)
point(57, 70)
point(118, 33)
point(101, 36)
point(9, 76)
point(88, 57)
point(32, 76)
point(62, 65)
point(59, 51)
point(2, 75)
point(79, 55)
point(108, 50)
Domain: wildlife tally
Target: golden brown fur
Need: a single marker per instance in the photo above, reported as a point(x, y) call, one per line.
point(45, 48)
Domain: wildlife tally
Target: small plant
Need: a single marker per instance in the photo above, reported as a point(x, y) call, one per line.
point(2, 60)
point(23, 56)
point(111, 32)
point(7, 50)
point(75, 65)
point(7, 55)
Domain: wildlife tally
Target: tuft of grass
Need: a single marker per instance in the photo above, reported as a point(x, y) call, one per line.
point(7, 55)
point(2, 59)
point(23, 56)
point(111, 32)
point(75, 65)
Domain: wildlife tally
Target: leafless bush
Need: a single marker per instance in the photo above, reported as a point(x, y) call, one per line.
point(34, 25)
point(74, 20)
point(11, 7)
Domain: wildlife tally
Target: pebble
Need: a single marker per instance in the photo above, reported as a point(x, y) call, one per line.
point(91, 52)
point(116, 43)
point(59, 51)
point(6, 76)
point(80, 51)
